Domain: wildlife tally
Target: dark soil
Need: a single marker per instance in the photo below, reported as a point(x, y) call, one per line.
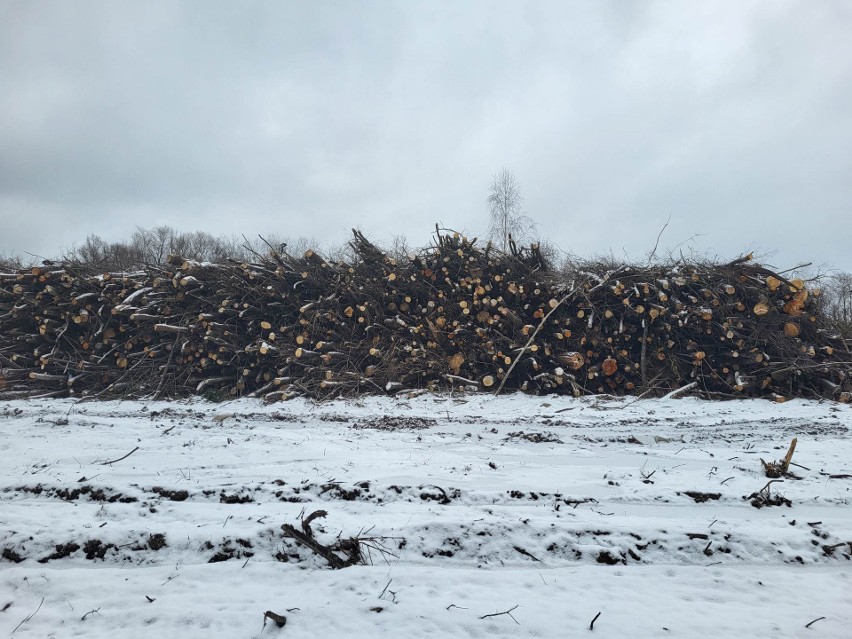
point(73, 494)
point(62, 551)
point(700, 498)
point(227, 551)
point(535, 438)
point(96, 549)
point(173, 495)
point(390, 423)
point(604, 557)
point(11, 555)
point(234, 499)
point(759, 500)
point(157, 541)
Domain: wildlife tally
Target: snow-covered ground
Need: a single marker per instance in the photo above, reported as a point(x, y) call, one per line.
point(553, 509)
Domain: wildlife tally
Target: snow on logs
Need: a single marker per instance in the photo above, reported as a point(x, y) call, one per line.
point(451, 316)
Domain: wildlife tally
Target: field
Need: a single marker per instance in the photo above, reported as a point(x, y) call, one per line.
point(471, 516)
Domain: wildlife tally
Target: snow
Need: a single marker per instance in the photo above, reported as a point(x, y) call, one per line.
point(552, 508)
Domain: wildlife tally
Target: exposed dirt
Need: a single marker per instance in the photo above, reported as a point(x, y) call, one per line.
point(700, 498)
point(763, 499)
point(235, 499)
point(230, 549)
point(535, 438)
point(173, 495)
point(157, 541)
point(73, 494)
point(11, 555)
point(62, 551)
point(395, 423)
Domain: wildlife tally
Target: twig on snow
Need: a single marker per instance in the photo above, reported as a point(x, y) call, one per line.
point(808, 625)
point(526, 553)
point(505, 612)
point(107, 463)
point(592, 625)
point(28, 617)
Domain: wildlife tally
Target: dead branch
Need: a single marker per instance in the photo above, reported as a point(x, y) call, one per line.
point(107, 463)
point(810, 623)
point(592, 625)
point(505, 612)
point(28, 617)
point(351, 547)
point(279, 620)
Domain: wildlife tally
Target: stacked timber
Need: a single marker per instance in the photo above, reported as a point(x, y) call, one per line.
point(454, 315)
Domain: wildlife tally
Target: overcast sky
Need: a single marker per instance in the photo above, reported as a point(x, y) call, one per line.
point(308, 118)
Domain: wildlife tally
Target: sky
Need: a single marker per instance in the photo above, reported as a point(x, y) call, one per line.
point(731, 120)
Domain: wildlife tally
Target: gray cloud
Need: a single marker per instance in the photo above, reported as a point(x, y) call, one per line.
point(731, 117)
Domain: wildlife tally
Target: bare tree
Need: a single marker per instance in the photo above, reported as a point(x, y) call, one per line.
point(298, 245)
point(93, 251)
point(399, 248)
point(838, 302)
point(505, 206)
point(340, 252)
point(154, 244)
point(10, 261)
point(229, 246)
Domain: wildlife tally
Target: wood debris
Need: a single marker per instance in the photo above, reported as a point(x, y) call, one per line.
point(452, 316)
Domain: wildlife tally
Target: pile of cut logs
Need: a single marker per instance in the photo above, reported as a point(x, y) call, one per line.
point(452, 316)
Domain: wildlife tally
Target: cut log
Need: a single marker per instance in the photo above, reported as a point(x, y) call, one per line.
point(761, 308)
point(572, 360)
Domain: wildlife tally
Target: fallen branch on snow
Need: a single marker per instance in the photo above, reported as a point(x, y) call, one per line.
point(107, 463)
point(505, 612)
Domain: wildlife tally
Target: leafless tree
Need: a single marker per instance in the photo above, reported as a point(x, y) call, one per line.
point(298, 245)
point(153, 245)
point(93, 251)
point(838, 301)
point(399, 248)
point(229, 246)
point(10, 261)
point(505, 206)
point(334, 252)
